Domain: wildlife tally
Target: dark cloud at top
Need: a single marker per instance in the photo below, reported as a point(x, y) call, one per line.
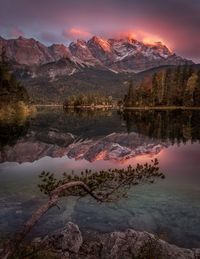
point(177, 22)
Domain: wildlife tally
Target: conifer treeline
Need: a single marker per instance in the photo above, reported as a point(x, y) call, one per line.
point(176, 86)
point(89, 99)
point(11, 91)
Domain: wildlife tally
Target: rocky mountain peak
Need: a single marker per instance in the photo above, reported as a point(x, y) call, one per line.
point(125, 54)
point(101, 43)
point(80, 50)
point(59, 50)
point(81, 42)
point(161, 48)
point(21, 38)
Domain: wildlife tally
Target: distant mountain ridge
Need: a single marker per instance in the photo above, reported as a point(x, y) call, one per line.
point(118, 55)
point(98, 65)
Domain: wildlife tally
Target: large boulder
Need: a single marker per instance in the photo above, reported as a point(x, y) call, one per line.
point(69, 239)
point(134, 244)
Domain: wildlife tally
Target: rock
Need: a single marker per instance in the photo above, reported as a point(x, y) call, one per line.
point(116, 54)
point(197, 253)
point(65, 255)
point(69, 239)
point(133, 244)
point(68, 244)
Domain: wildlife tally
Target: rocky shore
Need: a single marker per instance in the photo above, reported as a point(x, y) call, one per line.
point(69, 243)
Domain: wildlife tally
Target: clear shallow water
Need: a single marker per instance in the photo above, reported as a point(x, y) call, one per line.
point(170, 208)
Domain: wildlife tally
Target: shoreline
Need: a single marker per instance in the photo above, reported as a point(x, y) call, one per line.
point(162, 108)
point(47, 105)
point(121, 108)
point(19, 110)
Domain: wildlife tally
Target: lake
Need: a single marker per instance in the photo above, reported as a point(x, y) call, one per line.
point(61, 141)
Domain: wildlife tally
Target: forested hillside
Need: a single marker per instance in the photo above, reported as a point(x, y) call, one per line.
point(173, 86)
point(87, 81)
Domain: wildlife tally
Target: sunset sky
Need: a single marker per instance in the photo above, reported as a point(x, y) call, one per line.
point(175, 22)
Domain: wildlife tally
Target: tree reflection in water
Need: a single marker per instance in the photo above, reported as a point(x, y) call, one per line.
point(174, 125)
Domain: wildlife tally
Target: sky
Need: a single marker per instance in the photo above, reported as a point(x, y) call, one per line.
point(174, 22)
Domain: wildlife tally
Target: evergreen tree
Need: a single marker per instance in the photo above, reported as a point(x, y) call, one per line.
point(177, 86)
point(196, 93)
point(10, 90)
point(129, 100)
point(154, 90)
point(167, 86)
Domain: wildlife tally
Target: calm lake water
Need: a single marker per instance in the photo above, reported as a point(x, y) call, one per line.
point(100, 140)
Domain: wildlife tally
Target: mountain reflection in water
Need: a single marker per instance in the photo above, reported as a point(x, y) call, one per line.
point(82, 134)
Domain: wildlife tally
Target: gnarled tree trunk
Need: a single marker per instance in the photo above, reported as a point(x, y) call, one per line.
point(12, 245)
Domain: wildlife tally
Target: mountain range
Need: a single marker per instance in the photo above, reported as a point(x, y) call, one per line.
point(120, 55)
point(51, 72)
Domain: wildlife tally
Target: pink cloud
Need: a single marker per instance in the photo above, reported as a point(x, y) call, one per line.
point(75, 33)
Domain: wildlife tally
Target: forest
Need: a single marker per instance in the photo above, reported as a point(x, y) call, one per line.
point(11, 91)
point(89, 99)
point(173, 86)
